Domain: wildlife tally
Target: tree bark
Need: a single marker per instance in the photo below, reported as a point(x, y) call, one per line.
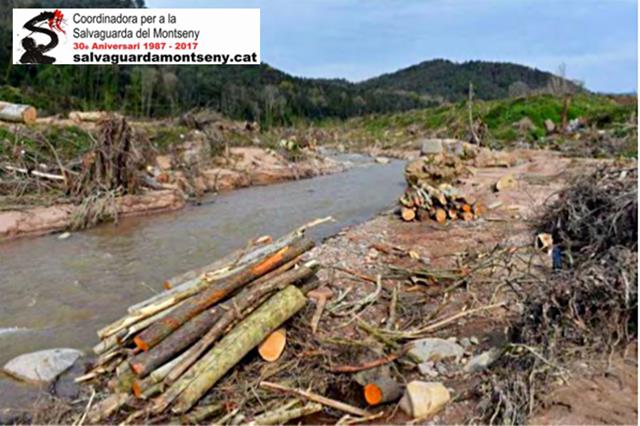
point(216, 292)
point(143, 363)
point(18, 113)
point(232, 348)
point(382, 390)
point(241, 303)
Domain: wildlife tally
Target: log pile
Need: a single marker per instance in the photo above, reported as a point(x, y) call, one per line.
point(169, 351)
point(430, 194)
point(423, 201)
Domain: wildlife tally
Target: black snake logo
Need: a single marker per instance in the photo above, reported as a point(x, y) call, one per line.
point(35, 53)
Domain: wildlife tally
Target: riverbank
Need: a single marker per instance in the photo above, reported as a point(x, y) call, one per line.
point(243, 167)
point(421, 259)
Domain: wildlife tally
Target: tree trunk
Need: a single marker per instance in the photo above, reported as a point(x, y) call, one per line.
point(18, 113)
point(143, 363)
point(216, 292)
point(233, 347)
point(241, 304)
point(382, 390)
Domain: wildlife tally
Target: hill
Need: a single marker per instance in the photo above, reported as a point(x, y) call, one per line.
point(449, 81)
point(261, 93)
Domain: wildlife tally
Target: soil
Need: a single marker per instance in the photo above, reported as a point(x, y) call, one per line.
point(243, 168)
point(589, 399)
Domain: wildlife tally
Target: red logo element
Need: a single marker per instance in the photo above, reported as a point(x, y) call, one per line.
point(55, 23)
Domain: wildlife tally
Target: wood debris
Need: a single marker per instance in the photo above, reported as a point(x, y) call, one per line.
point(168, 352)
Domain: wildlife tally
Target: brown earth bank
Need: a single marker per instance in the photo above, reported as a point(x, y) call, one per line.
point(433, 270)
point(242, 167)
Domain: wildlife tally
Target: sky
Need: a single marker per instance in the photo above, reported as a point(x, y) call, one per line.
point(596, 40)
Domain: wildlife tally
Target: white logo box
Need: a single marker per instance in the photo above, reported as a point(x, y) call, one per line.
point(136, 36)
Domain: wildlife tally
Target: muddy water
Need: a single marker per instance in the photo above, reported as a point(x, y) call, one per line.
point(57, 293)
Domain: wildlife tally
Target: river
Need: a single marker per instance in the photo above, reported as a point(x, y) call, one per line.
point(57, 293)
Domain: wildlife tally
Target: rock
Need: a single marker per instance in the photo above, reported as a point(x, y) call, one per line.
point(427, 369)
point(483, 361)
point(505, 182)
point(430, 146)
point(465, 342)
point(382, 160)
point(442, 369)
point(549, 126)
point(422, 399)
point(474, 340)
point(64, 235)
point(42, 366)
point(435, 349)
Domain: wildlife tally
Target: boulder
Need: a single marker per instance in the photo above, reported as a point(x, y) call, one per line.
point(42, 366)
point(505, 182)
point(382, 160)
point(430, 146)
point(435, 349)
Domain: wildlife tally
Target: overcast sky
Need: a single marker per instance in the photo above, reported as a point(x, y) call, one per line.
point(358, 39)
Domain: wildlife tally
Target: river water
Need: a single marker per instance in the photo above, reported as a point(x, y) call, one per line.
point(57, 293)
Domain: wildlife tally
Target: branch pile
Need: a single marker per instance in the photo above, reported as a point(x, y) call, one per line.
point(430, 194)
point(589, 306)
point(114, 162)
point(167, 352)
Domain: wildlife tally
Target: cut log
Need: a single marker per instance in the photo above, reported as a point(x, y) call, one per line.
point(273, 346)
point(240, 303)
point(381, 391)
point(89, 116)
point(407, 214)
point(18, 113)
point(107, 407)
point(466, 216)
point(216, 292)
point(281, 417)
point(202, 413)
point(505, 182)
point(186, 335)
point(440, 216)
point(422, 215)
point(192, 282)
point(233, 347)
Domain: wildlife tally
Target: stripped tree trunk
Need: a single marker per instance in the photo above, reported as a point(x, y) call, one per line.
point(216, 292)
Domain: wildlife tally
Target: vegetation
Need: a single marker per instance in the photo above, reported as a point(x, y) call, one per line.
point(506, 122)
point(449, 81)
point(256, 93)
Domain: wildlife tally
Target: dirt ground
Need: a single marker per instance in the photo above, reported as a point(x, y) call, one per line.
point(593, 396)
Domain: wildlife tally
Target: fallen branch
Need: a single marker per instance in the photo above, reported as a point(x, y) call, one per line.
point(341, 406)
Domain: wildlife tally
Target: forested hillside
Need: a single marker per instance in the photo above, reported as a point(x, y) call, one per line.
point(260, 93)
point(450, 80)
